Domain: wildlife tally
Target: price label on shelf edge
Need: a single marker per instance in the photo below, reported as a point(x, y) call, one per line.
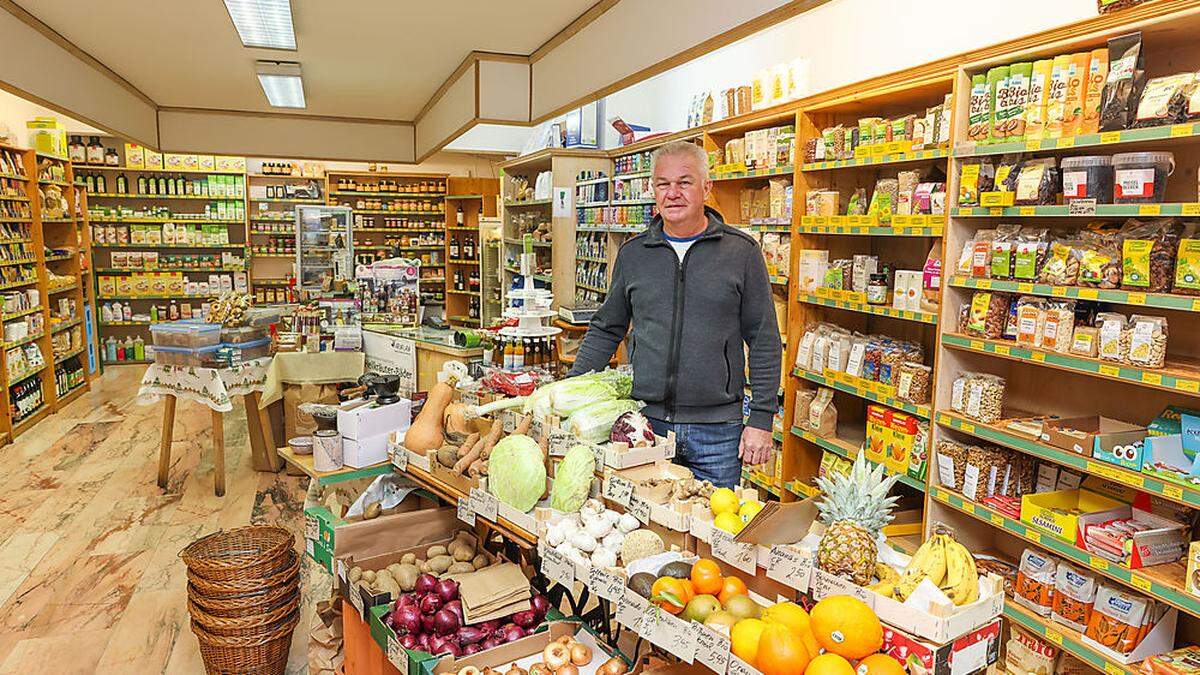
point(400, 459)
point(790, 567)
point(465, 513)
point(556, 567)
point(606, 584)
point(484, 503)
point(712, 648)
point(630, 607)
point(741, 556)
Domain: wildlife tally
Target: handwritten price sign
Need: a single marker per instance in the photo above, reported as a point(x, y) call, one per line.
point(790, 567)
point(484, 504)
point(618, 489)
point(557, 567)
point(712, 648)
point(741, 556)
point(608, 585)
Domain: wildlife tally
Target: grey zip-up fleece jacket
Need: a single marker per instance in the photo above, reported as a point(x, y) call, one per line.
point(690, 320)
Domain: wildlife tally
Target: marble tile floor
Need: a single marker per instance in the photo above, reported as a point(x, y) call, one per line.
point(90, 575)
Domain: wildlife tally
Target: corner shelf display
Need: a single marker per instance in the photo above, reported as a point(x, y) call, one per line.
point(592, 199)
point(167, 235)
point(1088, 263)
point(470, 202)
point(397, 216)
point(324, 253)
point(271, 240)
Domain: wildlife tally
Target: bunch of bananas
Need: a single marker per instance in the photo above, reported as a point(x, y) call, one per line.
point(942, 560)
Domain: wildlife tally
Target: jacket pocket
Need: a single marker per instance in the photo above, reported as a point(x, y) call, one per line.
point(728, 369)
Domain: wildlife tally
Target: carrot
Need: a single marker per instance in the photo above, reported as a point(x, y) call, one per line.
point(467, 445)
point(472, 454)
point(526, 423)
point(477, 469)
point(492, 438)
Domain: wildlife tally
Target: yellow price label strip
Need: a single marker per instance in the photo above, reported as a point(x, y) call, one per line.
point(1149, 209)
point(1113, 669)
point(1172, 492)
point(997, 520)
point(1136, 298)
point(1038, 356)
point(1003, 350)
point(1027, 210)
point(1034, 536)
point(1110, 137)
point(1098, 563)
point(1191, 209)
point(968, 507)
point(1152, 378)
point(1110, 371)
point(1086, 294)
point(1033, 146)
point(1054, 636)
point(976, 344)
point(1068, 142)
point(1191, 386)
point(1181, 130)
point(969, 428)
point(1140, 582)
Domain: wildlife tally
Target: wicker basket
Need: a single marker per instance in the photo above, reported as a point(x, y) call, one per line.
point(238, 554)
point(265, 653)
point(283, 574)
point(258, 609)
point(245, 626)
point(242, 604)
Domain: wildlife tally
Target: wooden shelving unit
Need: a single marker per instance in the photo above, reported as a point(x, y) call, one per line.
point(123, 198)
point(470, 202)
point(397, 215)
point(271, 232)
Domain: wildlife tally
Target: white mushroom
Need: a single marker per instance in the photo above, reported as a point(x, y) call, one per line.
point(604, 557)
point(613, 540)
point(628, 523)
point(597, 528)
point(583, 541)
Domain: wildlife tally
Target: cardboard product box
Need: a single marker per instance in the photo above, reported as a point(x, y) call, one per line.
point(903, 438)
point(1165, 542)
point(173, 162)
point(206, 163)
point(1192, 579)
point(1163, 457)
point(322, 528)
point(360, 453)
point(1160, 639)
point(621, 456)
point(364, 418)
point(229, 163)
point(970, 653)
point(1052, 512)
point(191, 162)
point(879, 433)
point(134, 156)
point(152, 159)
point(1095, 435)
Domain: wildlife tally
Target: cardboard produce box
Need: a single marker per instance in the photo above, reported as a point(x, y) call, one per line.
point(526, 651)
point(1052, 512)
point(1100, 437)
point(321, 526)
point(969, 653)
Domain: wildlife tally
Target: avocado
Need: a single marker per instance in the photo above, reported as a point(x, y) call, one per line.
point(641, 583)
point(677, 569)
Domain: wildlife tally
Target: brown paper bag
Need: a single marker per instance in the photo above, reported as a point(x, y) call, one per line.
point(296, 423)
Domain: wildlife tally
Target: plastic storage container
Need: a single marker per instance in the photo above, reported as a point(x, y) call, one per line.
point(1141, 177)
point(1089, 177)
point(189, 334)
point(232, 334)
point(237, 353)
point(187, 356)
point(263, 316)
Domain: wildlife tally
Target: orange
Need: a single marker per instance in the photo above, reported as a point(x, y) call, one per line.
point(706, 577)
point(794, 617)
point(744, 638)
point(731, 587)
point(880, 664)
point(829, 664)
point(780, 651)
point(670, 594)
point(846, 626)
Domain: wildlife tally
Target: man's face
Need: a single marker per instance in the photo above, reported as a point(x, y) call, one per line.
point(680, 188)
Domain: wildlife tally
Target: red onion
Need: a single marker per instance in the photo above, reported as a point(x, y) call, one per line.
point(453, 649)
point(425, 583)
point(437, 644)
point(489, 627)
point(423, 641)
point(407, 600)
point(512, 632)
point(427, 623)
point(492, 642)
point(525, 619)
point(472, 649)
point(469, 635)
point(447, 589)
point(445, 622)
point(406, 620)
point(456, 607)
point(540, 604)
point(430, 604)
point(408, 641)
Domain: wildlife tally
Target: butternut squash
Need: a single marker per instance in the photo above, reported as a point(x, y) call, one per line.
point(454, 419)
point(426, 432)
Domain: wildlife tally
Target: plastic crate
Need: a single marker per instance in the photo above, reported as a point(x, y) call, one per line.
point(186, 334)
point(188, 356)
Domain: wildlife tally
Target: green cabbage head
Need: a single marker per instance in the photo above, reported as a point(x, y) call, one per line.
point(516, 472)
point(573, 479)
point(593, 423)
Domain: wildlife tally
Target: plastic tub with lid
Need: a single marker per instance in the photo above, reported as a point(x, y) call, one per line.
point(189, 334)
point(1141, 177)
point(232, 334)
point(187, 356)
point(263, 316)
point(236, 353)
point(1087, 177)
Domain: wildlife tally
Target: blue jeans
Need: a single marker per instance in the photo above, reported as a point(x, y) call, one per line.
point(710, 450)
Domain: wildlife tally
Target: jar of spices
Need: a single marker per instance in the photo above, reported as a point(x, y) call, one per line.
point(877, 289)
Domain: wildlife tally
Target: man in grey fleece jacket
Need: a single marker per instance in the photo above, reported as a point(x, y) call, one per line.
point(694, 290)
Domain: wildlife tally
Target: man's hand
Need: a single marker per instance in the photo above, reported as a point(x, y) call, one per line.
point(756, 446)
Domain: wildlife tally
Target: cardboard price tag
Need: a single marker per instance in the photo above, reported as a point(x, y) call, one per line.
point(560, 442)
point(790, 567)
point(606, 584)
point(470, 398)
point(396, 654)
point(712, 648)
point(618, 489)
point(673, 635)
point(741, 556)
point(537, 428)
point(556, 567)
point(465, 513)
point(825, 585)
point(630, 607)
point(484, 503)
point(640, 508)
point(597, 455)
point(740, 667)
point(312, 529)
point(400, 459)
point(341, 570)
point(509, 422)
point(356, 598)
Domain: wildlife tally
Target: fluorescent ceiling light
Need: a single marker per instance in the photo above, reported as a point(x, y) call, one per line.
point(263, 23)
point(281, 83)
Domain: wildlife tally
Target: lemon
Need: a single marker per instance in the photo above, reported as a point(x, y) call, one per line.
point(723, 500)
point(749, 510)
point(729, 522)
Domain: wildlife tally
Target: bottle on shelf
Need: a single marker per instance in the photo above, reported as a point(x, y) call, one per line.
point(76, 150)
point(95, 151)
point(127, 312)
point(139, 348)
point(110, 349)
point(100, 184)
point(122, 184)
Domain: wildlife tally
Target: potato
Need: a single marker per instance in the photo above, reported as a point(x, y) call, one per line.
point(461, 551)
point(423, 565)
point(440, 564)
point(389, 586)
point(408, 559)
point(447, 456)
point(372, 511)
point(460, 568)
point(406, 576)
point(381, 575)
point(435, 551)
point(480, 561)
point(393, 569)
point(368, 576)
point(354, 574)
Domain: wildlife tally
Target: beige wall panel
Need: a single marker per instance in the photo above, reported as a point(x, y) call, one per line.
point(631, 36)
point(455, 109)
point(284, 136)
point(504, 91)
point(34, 66)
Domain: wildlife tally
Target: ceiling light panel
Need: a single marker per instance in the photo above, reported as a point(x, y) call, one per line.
point(263, 23)
point(283, 91)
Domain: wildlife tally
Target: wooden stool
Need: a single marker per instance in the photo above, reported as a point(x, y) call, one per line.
point(262, 445)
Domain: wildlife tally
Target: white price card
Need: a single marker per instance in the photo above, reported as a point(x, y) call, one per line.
point(356, 598)
point(557, 567)
point(465, 512)
point(630, 607)
point(508, 422)
point(678, 637)
point(470, 398)
point(619, 490)
point(712, 648)
point(739, 667)
point(340, 565)
point(308, 547)
point(741, 556)
point(560, 442)
point(311, 528)
point(1081, 207)
point(400, 458)
point(640, 508)
point(789, 566)
point(537, 428)
point(396, 654)
point(606, 584)
point(484, 503)
point(824, 585)
point(598, 455)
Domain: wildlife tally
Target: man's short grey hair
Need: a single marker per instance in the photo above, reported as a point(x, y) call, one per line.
point(684, 148)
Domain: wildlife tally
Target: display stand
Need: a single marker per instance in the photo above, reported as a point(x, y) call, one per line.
point(534, 311)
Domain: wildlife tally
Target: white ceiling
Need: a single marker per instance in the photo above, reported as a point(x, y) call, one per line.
point(380, 59)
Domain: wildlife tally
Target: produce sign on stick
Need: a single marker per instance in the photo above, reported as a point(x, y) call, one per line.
point(561, 441)
point(619, 490)
point(606, 584)
point(484, 504)
point(741, 556)
point(712, 648)
point(465, 513)
point(640, 508)
point(789, 566)
point(396, 654)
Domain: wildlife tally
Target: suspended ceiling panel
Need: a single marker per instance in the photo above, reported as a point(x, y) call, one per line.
point(380, 59)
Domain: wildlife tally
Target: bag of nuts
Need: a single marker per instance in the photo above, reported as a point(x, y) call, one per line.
point(988, 315)
point(951, 464)
point(912, 382)
point(1115, 336)
point(1148, 341)
point(981, 398)
point(1148, 254)
point(1062, 263)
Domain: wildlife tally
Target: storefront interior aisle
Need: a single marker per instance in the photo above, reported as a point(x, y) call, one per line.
point(89, 545)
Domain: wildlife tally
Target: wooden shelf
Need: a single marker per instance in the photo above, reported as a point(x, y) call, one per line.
point(871, 391)
point(1101, 211)
point(1175, 132)
point(1064, 637)
point(759, 173)
point(101, 167)
point(123, 195)
point(899, 226)
point(864, 308)
point(760, 480)
point(876, 160)
point(849, 447)
point(1184, 303)
point(305, 464)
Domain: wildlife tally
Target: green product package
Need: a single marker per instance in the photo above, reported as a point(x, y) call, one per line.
point(1187, 266)
point(1016, 96)
point(1135, 263)
point(977, 112)
point(1025, 262)
point(997, 78)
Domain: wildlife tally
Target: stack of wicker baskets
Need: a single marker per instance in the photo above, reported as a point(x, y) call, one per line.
point(244, 598)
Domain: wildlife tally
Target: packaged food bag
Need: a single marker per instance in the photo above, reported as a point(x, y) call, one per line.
point(1035, 105)
point(1035, 582)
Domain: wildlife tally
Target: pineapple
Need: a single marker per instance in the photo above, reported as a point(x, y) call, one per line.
point(854, 510)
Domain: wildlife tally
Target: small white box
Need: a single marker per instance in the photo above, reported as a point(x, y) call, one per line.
point(362, 418)
point(364, 452)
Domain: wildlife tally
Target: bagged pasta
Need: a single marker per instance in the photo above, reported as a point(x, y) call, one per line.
point(1114, 337)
